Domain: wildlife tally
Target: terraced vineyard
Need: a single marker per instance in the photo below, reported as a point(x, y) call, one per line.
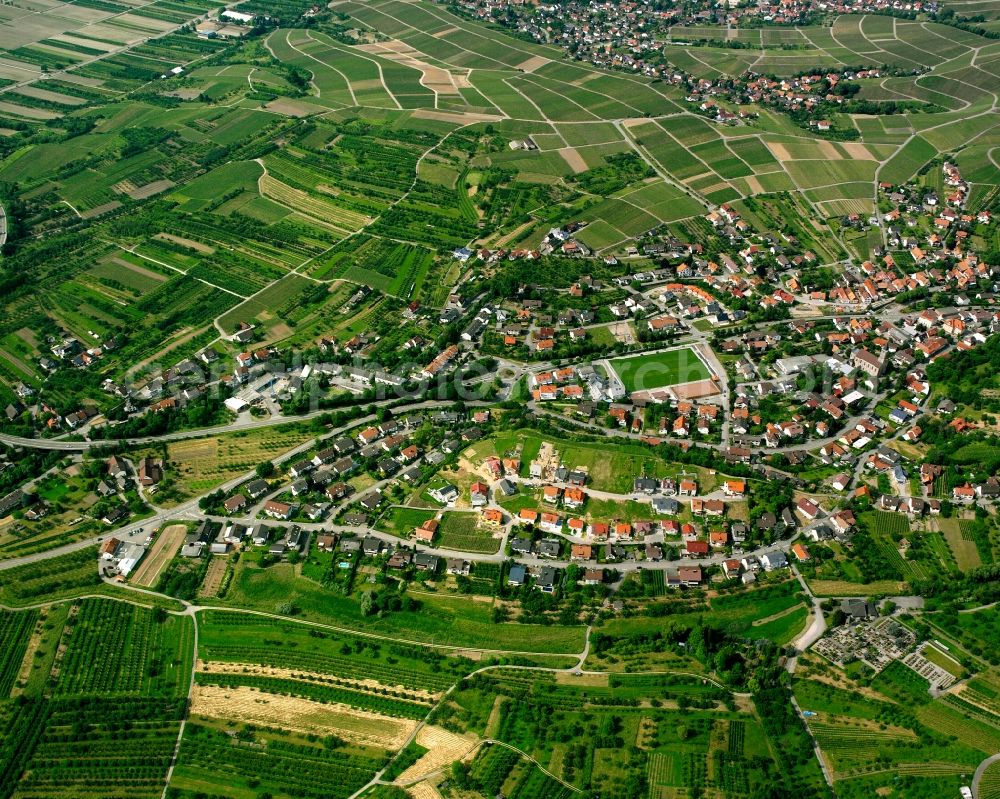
point(318, 209)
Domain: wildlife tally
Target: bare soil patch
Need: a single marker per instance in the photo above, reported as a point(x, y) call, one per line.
point(55, 97)
point(623, 332)
point(857, 150)
point(139, 270)
point(635, 122)
point(829, 151)
point(458, 118)
point(157, 186)
point(291, 108)
point(714, 187)
point(25, 111)
point(423, 790)
point(160, 554)
point(696, 390)
point(27, 335)
point(779, 151)
point(213, 578)
point(100, 210)
point(249, 706)
point(189, 243)
point(574, 159)
point(533, 63)
point(699, 176)
point(443, 747)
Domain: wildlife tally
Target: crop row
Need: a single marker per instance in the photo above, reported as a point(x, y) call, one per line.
point(110, 647)
point(491, 768)
point(15, 630)
point(271, 242)
point(536, 784)
point(386, 705)
point(737, 733)
point(306, 772)
point(330, 664)
point(19, 737)
point(314, 207)
point(852, 739)
point(48, 577)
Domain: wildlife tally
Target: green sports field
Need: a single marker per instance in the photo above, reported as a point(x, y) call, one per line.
point(647, 372)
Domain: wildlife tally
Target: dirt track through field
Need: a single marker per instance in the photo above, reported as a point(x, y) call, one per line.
point(246, 705)
point(436, 79)
point(160, 554)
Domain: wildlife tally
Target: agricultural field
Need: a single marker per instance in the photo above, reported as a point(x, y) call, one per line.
point(203, 464)
point(282, 202)
point(113, 647)
point(439, 620)
point(705, 748)
point(402, 521)
point(15, 633)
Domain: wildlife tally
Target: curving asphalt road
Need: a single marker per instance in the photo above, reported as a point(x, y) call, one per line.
point(978, 776)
